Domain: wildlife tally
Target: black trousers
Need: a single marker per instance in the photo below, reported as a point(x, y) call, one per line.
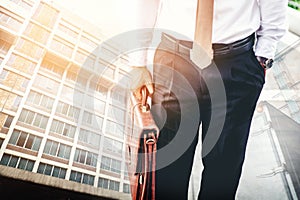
point(178, 85)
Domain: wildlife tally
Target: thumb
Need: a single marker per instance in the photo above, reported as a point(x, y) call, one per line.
point(150, 88)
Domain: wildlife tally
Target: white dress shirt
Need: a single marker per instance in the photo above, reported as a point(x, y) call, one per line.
point(233, 20)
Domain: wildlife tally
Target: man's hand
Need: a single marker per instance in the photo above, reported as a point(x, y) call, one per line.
point(139, 77)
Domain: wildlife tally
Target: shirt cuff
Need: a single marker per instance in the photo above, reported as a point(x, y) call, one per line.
point(265, 47)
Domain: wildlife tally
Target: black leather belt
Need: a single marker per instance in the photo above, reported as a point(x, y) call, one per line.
point(234, 48)
point(176, 45)
point(220, 50)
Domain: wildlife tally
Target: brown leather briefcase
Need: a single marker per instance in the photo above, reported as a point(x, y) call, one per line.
point(141, 150)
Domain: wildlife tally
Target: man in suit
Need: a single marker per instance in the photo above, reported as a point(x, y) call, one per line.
point(244, 38)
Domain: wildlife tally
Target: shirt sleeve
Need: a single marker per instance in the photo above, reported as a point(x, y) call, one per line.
point(144, 19)
point(272, 26)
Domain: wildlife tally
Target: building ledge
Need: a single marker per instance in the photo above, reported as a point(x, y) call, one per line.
point(16, 181)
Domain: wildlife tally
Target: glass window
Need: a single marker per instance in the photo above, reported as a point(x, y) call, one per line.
point(85, 157)
point(21, 63)
point(116, 166)
point(36, 32)
point(65, 109)
point(14, 137)
point(8, 121)
point(29, 142)
point(13, 161)
point(71, 76)
point(37, 120)
point(23, 115)
point(47, 102)
point(36, 143)
point(111, 164)
point(70, 94)
point(29, 48)
point(69, 130)
point(57, 149)
point(92, 120)
point(63, 128)
point(50, 147)
point(10, 22)
point(103, 183)
point(22, 164)
point(25, 83)
point(126, 188)
point(119, 96)
point(114, 185)
point(17, 101)
point(41, 168)
point(65, 29)
point(64, 151)
point(44, 122)
point(80, 56)
point(5, 159)
point(88, 42)
point(108, 72)
point(89, 137)
point(22, 138)
point(37, 98)
point(26, 140)
point(47, 147)
point(4, 47)
point(53, 68)
point(115, 128)
point(45, 15)
point(40, 121)
point(94, 104)
point(23, 4)
point(108, 184)
point(26, 164)
point(56, 172)
point(59, 172)
point(29, 117)
point(53, 150)
point(88, 179)
point(73, 112)
point(1, 142)
point(30, 165)
point(48, 170)
point(117, 113)
point(51, 170)
point(46, 83)
point(76, 176)
point(62, 47)
point(18, 162)
point(3, 74)
point(82, 178)
point(112, 145)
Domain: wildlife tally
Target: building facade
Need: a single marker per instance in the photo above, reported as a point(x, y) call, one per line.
point(57, 116)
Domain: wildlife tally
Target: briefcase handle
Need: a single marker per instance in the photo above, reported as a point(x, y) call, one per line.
point(144, 94)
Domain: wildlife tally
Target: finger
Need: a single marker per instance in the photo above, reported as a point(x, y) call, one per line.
point(150, 88)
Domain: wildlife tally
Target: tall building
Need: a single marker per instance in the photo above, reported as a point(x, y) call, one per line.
point(57, 119)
